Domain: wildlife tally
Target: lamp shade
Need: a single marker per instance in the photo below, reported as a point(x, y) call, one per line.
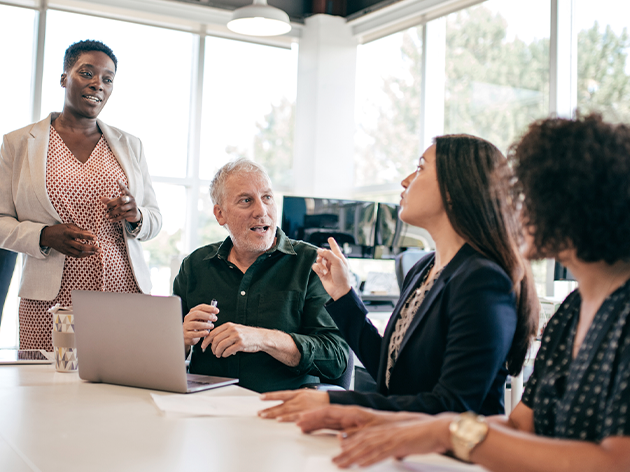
point(259, 19)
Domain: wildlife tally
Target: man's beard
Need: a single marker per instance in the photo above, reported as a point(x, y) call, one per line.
point(251, 246)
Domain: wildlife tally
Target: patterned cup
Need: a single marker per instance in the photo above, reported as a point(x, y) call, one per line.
point(64, 345)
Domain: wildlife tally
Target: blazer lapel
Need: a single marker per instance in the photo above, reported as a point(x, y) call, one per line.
point(462, 255)
point(413, 284)
point(118, 145)
point(423, 309)
point(37, 156)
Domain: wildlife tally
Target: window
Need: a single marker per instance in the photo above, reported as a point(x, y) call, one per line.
point(387, 108)
point(603, 68)
point(151, 96)
point(163, 253)
point(209, 230)
point(17, 28)
point(248, 107)
point(497, 69)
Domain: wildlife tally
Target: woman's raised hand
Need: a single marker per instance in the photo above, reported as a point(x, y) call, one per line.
point(123, 207)
point(332, 268)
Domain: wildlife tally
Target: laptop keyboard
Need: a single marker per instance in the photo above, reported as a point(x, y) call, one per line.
point(195, 382)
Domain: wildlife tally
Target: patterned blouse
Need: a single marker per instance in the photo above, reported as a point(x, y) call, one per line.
point(587, 397)
point(405, 317)
point(75, 188)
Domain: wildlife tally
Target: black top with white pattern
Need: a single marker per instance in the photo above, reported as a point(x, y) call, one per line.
point(587, 397)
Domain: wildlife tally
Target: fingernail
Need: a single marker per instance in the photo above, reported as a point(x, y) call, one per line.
point(263, 414)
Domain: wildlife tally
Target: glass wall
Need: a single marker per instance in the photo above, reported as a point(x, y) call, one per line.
point(151, 97)
point(387, 110)
point(497, 69)
point(208, 229)
point(17, 28)
point(496, 83)
point(603, 66)
point(248, 107)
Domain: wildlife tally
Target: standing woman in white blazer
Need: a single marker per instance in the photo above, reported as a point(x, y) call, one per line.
point(75, 198)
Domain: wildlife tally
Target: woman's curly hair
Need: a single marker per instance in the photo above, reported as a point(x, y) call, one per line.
point(574, 177)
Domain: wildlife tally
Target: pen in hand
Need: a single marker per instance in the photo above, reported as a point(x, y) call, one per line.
point(214, 304)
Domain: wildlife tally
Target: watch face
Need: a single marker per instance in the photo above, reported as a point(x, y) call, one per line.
point(471, 429)
point(467, 430)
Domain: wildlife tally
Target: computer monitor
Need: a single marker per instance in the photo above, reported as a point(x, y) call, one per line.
point(314, 220)
point(393, 236)
point(560, 272)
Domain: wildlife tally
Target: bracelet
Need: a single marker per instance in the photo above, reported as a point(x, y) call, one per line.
point(134, 228)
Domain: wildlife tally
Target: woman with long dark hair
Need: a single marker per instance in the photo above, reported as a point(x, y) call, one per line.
point(467, 312)
point(574, 416)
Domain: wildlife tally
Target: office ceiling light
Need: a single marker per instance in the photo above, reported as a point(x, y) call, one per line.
point(259, 19)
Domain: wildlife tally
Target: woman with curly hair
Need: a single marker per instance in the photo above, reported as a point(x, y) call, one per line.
point(467, 312)
point(574, 176)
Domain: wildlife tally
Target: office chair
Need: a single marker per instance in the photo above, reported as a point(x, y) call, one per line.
point(405, 261)
point(513, 392)
point(340, 383)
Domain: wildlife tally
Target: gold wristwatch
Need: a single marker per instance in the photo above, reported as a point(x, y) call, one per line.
point(467, 431)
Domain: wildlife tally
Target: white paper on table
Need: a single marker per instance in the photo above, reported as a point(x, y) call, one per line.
point(426, 463)
point(212, 405)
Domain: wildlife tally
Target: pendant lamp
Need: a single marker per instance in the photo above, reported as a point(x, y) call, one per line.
point(259, 19)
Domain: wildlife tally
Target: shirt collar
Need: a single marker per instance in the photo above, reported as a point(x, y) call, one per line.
point(283, 244)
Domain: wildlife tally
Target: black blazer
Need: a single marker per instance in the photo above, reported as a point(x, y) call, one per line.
point(453, 355)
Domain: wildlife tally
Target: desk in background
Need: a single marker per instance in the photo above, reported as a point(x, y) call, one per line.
point(54, 422)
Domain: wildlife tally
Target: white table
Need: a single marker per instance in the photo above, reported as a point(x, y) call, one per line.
point(51, 422)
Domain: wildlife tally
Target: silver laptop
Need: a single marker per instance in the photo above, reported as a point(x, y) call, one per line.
point(135, 340)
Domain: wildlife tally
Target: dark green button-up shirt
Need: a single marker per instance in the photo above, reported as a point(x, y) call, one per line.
point(279, 291)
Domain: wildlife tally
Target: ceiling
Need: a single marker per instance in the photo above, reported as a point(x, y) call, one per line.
point(300, 9)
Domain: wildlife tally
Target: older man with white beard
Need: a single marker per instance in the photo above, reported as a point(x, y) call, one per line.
point(269, 328)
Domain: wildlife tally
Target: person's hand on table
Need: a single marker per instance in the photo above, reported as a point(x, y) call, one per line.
point(370, 445)
point(123, 207)
point(350, 418)
point(69, 240)
point(332, 268)
point(198, 323)
point(230, 338)
point(294, 403)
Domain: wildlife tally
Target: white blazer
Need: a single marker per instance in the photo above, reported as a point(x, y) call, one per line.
point(25, 208)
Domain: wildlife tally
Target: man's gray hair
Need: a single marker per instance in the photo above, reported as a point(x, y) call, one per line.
point(242, 165)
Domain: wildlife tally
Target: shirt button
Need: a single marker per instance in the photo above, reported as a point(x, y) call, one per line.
point(243, 293)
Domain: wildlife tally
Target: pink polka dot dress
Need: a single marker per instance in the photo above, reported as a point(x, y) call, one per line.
point(75, 189)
